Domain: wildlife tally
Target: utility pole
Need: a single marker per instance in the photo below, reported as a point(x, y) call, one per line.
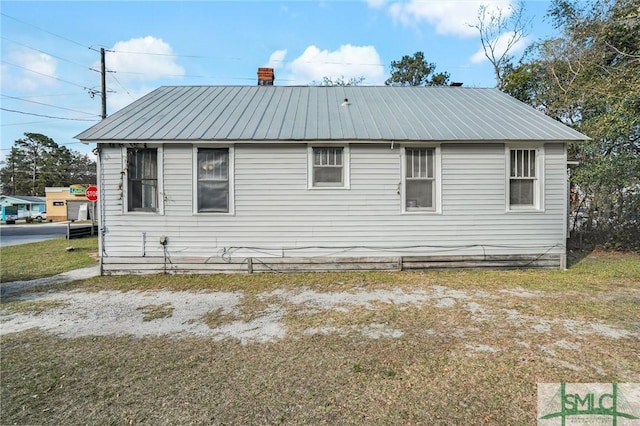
point(13, 172)
point(103, 75)
point(33, 175)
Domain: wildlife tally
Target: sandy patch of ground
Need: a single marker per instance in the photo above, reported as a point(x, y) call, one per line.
point(78, 313)
point(118, 313)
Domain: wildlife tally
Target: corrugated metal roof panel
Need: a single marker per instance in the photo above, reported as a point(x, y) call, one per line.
point(286, 113)
point(26, 198)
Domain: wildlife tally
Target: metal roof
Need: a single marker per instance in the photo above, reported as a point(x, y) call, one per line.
point(295, 113)
point(28, 199)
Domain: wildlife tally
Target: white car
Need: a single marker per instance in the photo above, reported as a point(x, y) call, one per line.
point(39, 216)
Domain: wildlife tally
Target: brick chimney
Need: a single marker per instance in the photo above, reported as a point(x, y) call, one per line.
point(266, 77)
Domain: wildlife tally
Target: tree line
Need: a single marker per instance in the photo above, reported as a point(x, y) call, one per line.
point(589, 78)
point(37, 161)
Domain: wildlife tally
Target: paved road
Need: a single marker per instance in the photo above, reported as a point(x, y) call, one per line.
point(11, 235)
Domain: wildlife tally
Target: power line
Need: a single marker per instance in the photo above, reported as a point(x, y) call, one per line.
point(46, 75)
point(42, 29)
point(22, 124)
point(149, 74)
point(164, 54)
point(59, 144)
point(53, 95)
point(46, 116)
point(94, 91)
point(49, 105)
point(123, 88)
point(177, 55)
point(173, 55)
point(46, 53)
point(282, 61)
point(184, 75)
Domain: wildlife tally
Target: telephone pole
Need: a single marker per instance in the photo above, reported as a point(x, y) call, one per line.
point(103, 76)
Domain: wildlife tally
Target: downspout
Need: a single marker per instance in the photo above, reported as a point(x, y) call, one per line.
point(101, 207)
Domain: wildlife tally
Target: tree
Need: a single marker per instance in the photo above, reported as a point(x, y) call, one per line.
point(341, 81)
point(416, 71)
point(37, 161)
point(37, 149)
point(12, 174)
point(500, 33)
point(589, 78)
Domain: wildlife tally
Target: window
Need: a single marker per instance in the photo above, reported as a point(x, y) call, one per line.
point(420, 179)
point(142, 179)
point(329, 167)
point(213, 180)
point(524, 179)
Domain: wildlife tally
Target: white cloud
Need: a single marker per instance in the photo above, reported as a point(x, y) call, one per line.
point(346, 62)
point(376, 4)
point(276, 60)
point(137, 63)
point(144, 59)
point(33, 71)
point(500, 48)
point(451, 17)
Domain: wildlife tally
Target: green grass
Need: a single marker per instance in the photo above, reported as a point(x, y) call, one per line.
point(46, 258)
point(439, 372)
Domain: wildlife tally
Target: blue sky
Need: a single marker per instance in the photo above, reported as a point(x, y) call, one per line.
point(50, 47)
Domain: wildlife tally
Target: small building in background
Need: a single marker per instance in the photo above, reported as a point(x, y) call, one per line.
point(15, 207)
point(67, 203)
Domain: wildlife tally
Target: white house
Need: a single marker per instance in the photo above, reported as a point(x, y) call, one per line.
point(258, 178)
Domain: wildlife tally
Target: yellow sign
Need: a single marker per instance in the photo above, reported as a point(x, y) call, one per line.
point(77, 189)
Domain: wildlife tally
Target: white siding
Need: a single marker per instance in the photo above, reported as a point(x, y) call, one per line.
point(277, 215)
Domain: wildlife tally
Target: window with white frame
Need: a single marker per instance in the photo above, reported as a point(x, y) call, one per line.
point(142, 179)
point(420, 179)
point(525, 183)
point(329, 167)
point(213, 185)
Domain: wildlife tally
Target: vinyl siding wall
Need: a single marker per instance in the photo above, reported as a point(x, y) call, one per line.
point(276, 214)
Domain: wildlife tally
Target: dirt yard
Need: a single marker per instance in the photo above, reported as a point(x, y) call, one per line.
point(454, 347)
point(112, 313)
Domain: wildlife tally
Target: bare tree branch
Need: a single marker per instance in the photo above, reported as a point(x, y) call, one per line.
point(493, 26)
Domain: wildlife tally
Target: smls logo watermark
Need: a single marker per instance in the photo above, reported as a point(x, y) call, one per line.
point(616, 404)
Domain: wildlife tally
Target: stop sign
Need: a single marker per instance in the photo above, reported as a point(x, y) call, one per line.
point(92, 193)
